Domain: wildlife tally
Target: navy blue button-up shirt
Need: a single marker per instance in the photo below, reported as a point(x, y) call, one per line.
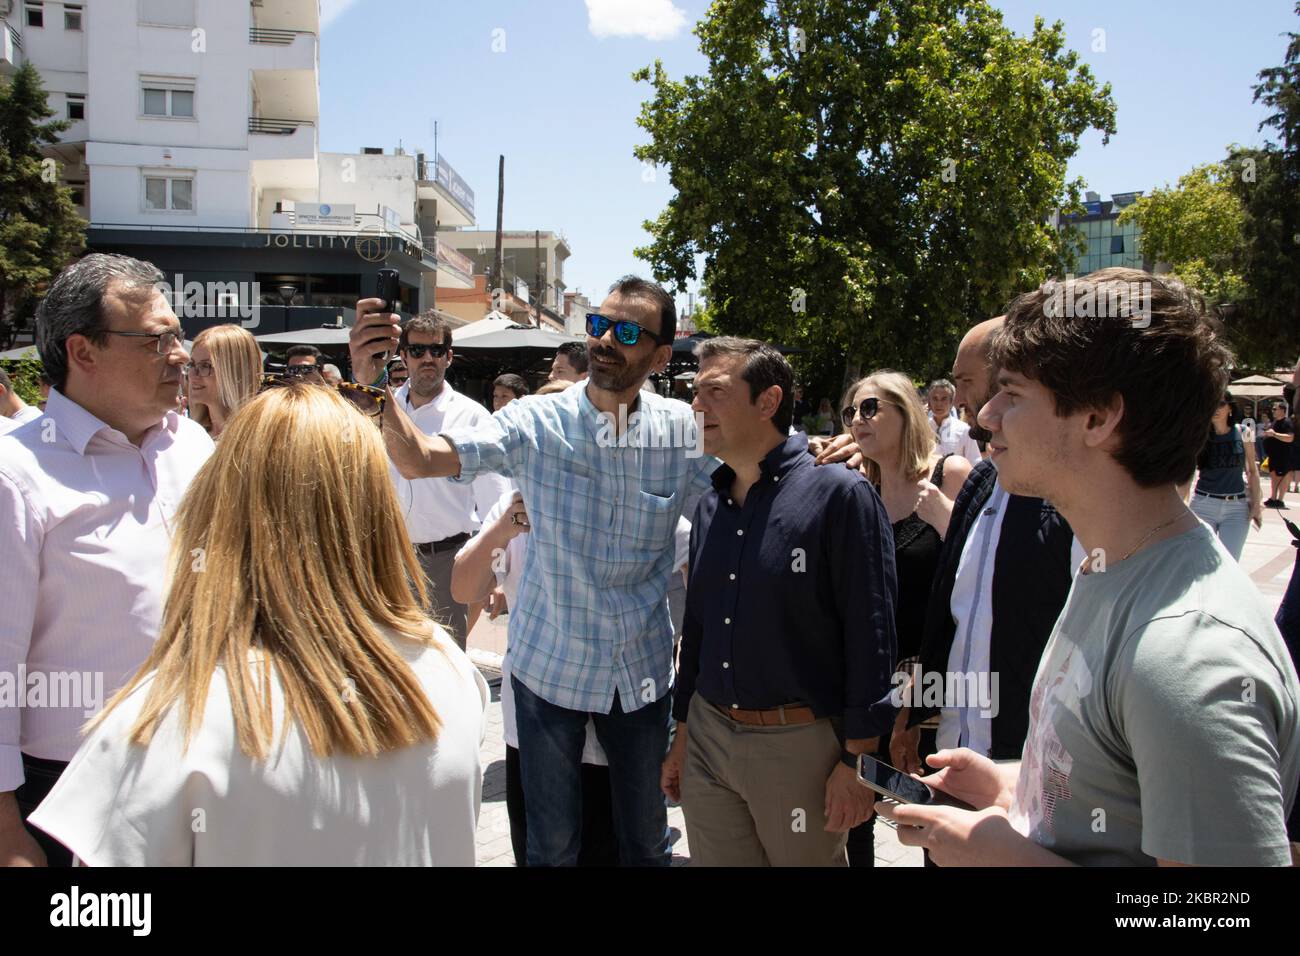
point(791, 595)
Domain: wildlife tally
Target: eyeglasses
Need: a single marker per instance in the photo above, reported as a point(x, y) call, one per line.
point(417, 351)
point(201, 369)
point(867, 409)
point(369, 401)
point(166, 340)
point(302, 371)
point(625, 332)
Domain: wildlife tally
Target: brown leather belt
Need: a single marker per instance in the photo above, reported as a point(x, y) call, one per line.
point(786, 715)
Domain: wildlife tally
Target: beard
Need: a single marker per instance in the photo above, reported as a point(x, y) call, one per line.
point(425, 384)
point(977, 432)
point(619, 378)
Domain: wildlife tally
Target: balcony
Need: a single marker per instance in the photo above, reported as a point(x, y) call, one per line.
point(440, 182)
point(281, 139)
point(11, 50)
point(282, 49)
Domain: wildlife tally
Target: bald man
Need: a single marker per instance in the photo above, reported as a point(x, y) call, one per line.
point(1004, 572)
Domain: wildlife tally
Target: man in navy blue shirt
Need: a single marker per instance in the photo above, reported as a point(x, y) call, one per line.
point(788, 643)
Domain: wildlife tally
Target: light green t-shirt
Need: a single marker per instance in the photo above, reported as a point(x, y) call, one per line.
point(1163, 719)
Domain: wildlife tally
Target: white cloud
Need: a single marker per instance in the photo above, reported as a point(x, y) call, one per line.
point(652, 19)
point(331, 10)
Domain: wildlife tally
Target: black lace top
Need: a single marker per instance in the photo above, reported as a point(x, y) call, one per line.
point(916, 556)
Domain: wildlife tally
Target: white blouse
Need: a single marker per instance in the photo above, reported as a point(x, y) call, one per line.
point(122, 805)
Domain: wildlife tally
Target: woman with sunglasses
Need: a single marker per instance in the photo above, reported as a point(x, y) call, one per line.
point(292, 712)
point(1227, 493)
point(224, 372)
point(885, 415)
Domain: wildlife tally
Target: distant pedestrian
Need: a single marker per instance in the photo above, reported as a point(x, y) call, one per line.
point(1226, 496)
point(1278, 438)
point(570, 363)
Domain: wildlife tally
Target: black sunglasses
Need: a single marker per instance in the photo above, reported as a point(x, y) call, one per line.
point(417, 351)
point(867, 409)
point(367, 399)
point(625, 332)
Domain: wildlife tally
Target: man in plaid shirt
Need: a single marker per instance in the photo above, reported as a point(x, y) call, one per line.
point(604, 469)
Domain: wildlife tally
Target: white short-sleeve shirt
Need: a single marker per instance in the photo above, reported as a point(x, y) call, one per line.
point(118, 804)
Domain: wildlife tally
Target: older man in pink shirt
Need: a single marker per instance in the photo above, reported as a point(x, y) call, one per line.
point(88, 494)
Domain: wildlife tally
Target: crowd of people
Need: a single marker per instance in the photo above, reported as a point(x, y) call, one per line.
point(262, 607)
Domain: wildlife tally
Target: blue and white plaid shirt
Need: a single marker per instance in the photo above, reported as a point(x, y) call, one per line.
point(592, 616)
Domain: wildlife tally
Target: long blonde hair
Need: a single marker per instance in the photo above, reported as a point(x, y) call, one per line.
point(916, 444)
point(290, 543)
point(237, 364)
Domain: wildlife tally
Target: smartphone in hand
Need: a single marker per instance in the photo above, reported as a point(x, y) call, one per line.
point(386, 288)
point(893, 784)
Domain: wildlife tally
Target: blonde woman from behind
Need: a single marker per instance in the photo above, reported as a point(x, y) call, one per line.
point(224, 373)
point(298, 708)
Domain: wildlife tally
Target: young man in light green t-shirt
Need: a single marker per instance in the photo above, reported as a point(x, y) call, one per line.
point(1163, 718)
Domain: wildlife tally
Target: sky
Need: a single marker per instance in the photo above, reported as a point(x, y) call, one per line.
point(548, 83)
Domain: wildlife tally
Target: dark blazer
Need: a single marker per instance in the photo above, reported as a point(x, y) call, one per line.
point(1031, 579)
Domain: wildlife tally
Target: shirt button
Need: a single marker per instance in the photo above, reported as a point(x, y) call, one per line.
point(732, 576)
point(726, 620)
point(730, 502)
point(726, 664)
point(776, 478)
point(735, 707)
point(740, 531)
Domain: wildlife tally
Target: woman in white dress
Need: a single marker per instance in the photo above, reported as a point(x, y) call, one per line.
point(298, 708)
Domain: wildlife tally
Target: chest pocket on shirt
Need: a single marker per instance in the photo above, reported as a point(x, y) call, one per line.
point(651, 527)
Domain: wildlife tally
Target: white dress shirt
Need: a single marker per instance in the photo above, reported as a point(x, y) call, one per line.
point(954, 438)
point(119, 804)
point(971, 605)
point(435, 508)
point(85, 527)
point(25, 415)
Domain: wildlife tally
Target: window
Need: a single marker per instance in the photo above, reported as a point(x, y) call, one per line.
point(167, 97)
point(35, 15)
point(71, 17)
point(1116, 245)
point(76, 107)
point(168, 193)
point(167, 13)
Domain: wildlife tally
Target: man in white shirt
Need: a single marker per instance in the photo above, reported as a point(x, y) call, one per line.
point(88, 494)
point(953, 434)
point(13, 410)
point(440, 515)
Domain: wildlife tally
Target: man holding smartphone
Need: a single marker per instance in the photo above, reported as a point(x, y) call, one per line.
point(1163, 718)
point(604, 469)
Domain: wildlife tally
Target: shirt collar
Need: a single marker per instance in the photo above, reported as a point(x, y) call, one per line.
point(79, 426)
point(776, 464)
point(403, 397)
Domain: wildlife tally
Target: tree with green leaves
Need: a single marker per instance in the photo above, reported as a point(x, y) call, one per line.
point(1265, 329)
point(1196, 228)
point(866, 178)
point(40, 230)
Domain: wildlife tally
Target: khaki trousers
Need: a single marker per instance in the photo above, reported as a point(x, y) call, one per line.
point(756, 796)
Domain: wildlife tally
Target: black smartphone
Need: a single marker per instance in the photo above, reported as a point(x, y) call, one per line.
point(386, 288)
point(900, 787)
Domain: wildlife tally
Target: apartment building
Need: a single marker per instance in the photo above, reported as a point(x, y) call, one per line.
point(195, 144)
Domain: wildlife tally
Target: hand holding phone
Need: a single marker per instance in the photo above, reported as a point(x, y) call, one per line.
point(893, 784)
point(388, 289)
